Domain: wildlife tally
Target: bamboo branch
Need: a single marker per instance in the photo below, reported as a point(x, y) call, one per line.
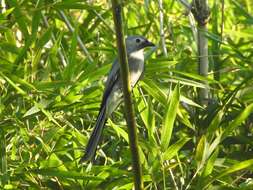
point(162, 37)
point(70, 27)
point(64, 63)
point(216, 44)
point(104, 21)
point(129, 111)
point(185, 4)
point(217, 60)
point(188, 6)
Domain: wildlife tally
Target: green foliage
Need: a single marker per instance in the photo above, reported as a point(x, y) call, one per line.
point(50, 94)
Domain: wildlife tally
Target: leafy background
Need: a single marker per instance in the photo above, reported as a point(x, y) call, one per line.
point(51, 87)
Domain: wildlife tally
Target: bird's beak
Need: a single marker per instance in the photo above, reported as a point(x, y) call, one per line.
point(148, 44)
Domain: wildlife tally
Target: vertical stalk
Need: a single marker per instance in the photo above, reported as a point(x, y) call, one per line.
point(79, 40)
point(203, 62)
point(129, 112)
point(162, 37)
point(61, 55)
point(222, 19)
point(215, 44)
point(217, 71)
point(201, 13)
point(3, 161)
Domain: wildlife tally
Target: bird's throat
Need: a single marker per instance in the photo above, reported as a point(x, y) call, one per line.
point(137, 55)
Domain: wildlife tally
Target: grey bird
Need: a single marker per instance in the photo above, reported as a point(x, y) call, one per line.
point(113, 94)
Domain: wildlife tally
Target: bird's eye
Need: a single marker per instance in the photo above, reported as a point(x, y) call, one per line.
point(138, 40)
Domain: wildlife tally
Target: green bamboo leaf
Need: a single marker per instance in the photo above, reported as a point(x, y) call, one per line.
point(100, 19)
point(6, 13)
point(9, 47)
point(44, 103)
point(238, 120)
point(75, 5)
point(155, 91)
point(158, 65)
point(247, 164)
point(210, 163)
point(95, 74)
point(215, 123)
point(173, 149)
point(208, 168)
point(69, 70)
point(246, 94)
point(89, 18)
point(146, 112)
point(213, 146)
point(200, 155)
point(184, 117)
point(46, 113)
point(142, 106)
point(195, 76)
point(53, 53)
point(51, 172)
point(120, 132)
point(18, 82)
point(184, 81)
point(36, 18)
point(242, 10)
point(52, 85)
point(46, 36)
point(126, 186)
point(189, 101)
point(35, 62)
point(23, 53)
point(19, 18)
point(169, 118)
point(245, 34)
point(13, 84)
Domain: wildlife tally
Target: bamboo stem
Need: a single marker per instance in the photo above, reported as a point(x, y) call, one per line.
point(162, 36)
point(201, 13)
point(203, 63)
point(129, 111)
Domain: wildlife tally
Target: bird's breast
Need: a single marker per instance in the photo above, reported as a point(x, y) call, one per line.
point(136, 67)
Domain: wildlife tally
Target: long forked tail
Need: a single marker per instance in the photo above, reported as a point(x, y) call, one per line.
point(95, 136)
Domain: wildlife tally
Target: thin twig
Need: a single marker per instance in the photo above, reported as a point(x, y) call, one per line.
point(194, 30)
point(104, 21)
point(63, 60)
point(191, 19)
point(186, 4)
point(193, 177)
point(162, 37)
point(222, 21)
point(172, 176)
point(70, 27)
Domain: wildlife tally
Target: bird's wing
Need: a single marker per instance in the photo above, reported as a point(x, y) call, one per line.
point(102, 116)
point(112, 79)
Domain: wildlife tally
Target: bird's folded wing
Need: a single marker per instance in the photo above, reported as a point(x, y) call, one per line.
point(113, 78)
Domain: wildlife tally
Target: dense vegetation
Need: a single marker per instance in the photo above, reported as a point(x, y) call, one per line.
point(54, 56)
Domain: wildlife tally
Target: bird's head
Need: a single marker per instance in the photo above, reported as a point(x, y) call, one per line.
point(136, 43)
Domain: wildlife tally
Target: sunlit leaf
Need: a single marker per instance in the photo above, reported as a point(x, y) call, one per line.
point(169, 119)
